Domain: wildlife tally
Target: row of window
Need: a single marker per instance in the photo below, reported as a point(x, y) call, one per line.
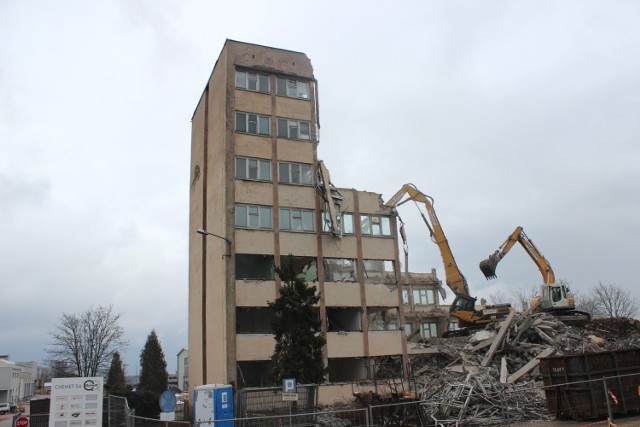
point(260, 267)
point(420, 296)
point(254, 216)
point(258, 82)
point(260, 170)
point(257, 124)
point(370, 225)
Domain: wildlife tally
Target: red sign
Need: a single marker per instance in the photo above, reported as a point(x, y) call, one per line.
point(22, 422)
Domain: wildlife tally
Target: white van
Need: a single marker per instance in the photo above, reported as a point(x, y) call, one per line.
point(5, 408)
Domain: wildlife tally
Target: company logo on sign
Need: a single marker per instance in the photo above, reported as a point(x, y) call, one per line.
point(90, 385)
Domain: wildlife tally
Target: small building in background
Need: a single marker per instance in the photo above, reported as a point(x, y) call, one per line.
point(183, 370)
point(17, 380)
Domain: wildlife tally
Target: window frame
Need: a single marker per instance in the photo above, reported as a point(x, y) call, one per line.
point(290, 173)
point(253, 214)
point(247, 168)
point(423, 294)
point(326, 222)
point(291, 124)
point(369, 222)
point(248, 122)
point(281, 80)
point(432, 327)
point(259, 82)
point(290, 213)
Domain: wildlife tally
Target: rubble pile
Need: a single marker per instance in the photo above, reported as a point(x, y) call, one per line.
point(620, 332)
point(490, 376)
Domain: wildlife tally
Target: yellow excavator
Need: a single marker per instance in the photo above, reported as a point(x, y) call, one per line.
point(554, 298)
point(463, 307)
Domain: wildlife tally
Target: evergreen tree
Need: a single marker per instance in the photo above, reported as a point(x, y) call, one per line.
point(116, 383)
point(153, 378)
point(153, 367)
point(296, 325)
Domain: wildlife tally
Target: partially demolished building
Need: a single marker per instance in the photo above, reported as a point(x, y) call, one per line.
point(259, 193)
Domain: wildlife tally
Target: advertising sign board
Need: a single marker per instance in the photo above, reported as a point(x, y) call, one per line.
point(76, 402)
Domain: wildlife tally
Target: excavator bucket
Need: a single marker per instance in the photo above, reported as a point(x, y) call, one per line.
point(488, 266)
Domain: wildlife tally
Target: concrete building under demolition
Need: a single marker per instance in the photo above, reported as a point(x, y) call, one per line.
point(258, 193)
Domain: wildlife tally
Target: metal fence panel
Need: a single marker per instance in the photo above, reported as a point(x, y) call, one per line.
point(252, 402)
point(333, 418)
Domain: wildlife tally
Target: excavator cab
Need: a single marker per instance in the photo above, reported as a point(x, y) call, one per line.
point(463, 303)
point(554, 296)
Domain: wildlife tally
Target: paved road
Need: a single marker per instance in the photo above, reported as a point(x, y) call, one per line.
point(6, 420)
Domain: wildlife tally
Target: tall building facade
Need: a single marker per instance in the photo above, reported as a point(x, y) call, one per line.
point(258, 194)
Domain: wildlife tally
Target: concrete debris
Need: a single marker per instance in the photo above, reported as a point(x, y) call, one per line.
point(491, 376)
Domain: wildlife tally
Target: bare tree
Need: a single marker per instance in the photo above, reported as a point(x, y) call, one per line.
point(498, 297)
point(522, 297)
point(86, 342)
point(610, 300)
point(588, 304)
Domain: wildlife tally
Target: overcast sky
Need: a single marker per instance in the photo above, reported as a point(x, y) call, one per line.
point(506, 112)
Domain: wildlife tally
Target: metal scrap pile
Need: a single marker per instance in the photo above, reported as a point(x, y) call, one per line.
point(489, 377)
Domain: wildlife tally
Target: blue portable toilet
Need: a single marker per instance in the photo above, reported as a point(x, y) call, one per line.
point(213, 402)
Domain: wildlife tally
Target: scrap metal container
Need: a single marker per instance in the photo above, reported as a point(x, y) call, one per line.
point(580, 386)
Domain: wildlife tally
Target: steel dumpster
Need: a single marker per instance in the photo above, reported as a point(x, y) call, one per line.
point(583, 386)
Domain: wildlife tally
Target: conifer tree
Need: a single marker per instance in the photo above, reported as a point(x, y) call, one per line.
point(153, 378)
point(296, 325)
point(116, 383)
point(153, 366)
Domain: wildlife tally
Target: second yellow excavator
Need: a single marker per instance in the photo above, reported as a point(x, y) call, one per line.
point(554, 298)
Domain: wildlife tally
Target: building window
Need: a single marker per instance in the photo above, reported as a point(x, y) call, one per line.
point(295, 173)
point(292, 88)
point(378, 271)
point(345, 220)
point(254, 320)
point(429, 330)
point(296, 219)
point(340, 270)
point(252, 81)
point(254, 267)
point(424, 296)
point(408, 329)
point(453, 325)
point(405, 296)
point(253, 123)
point(252, 216)
point(306, 266)
point(250, 168)
point(293, 129)
point(374, 225)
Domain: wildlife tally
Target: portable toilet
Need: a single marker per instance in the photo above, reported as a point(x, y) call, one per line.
point(213, 402)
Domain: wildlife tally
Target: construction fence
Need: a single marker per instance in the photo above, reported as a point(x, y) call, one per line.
point(594, 402)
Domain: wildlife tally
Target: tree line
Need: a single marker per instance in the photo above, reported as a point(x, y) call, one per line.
point(601, 301)
point(89, 344)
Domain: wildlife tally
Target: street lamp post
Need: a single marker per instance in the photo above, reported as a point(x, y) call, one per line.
point(208, 233)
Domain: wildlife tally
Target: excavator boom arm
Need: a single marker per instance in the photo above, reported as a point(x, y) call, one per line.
point(488, 266)
point(455, 280)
